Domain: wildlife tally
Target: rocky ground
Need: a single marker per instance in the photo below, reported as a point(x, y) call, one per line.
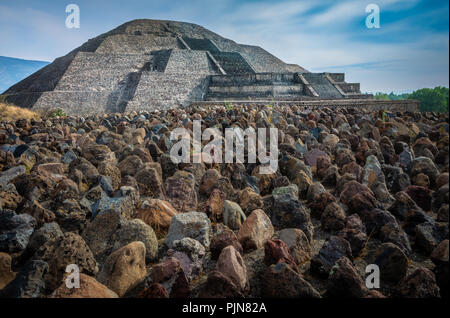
point(101, 192)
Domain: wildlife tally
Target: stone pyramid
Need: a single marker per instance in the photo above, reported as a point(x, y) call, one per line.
point(147, 64)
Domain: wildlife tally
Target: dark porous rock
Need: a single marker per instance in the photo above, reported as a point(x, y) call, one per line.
point(276, 251)
point(393, 233)
point(170, 274)
point(440, 198)
point(426, 166)
point(420, 284)
point(154, 291)
point(298, 244)
point(443, 213)
point(332, 250)
point(333, 218)
point(220, 286)
point(29, 282)
point(440, 258)
point(392, 262)
point(63, 251)
point(150, 183)
point(288, 211)
point(345, 282)
point(420, 195)
point(42, 235)
point(429, 235)
point(180, 191)
point(281, 281)
point(320, 202)
point(15, 231)
point(221, 239)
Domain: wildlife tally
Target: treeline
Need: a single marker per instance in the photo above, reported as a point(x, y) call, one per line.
point(431, 99)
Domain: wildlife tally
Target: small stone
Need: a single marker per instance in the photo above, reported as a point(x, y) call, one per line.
point(298, 244)
point(344, 281)
point(420, 284)
point(222, 239)
point(333, 218)
point(392, 261)
point(233, 216)
point(180, 191)
point(156, 213)
point(124, 268)
point(28, 283)
point(195, 225)
point(255, 231)
point(332, 250)
point(231, 264)
point(15, 231)
point(6, 273)
point(281, 281)
point(89, 288)
point(63, 251)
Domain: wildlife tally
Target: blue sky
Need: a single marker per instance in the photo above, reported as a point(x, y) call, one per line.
point(409, 51)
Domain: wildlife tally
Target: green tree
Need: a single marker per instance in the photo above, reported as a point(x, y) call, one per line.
point(432, 100)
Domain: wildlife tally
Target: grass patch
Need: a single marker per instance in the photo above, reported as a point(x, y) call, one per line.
point(9, 112)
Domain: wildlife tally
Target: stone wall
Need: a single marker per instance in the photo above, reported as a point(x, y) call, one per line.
point(184, 61)
point(407, 105)
point(126, 43)
point(168, 90)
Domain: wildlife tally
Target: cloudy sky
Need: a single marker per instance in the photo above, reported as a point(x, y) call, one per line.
point(409, 51)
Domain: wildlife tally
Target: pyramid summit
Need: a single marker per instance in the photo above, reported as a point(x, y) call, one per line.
point(148, 64)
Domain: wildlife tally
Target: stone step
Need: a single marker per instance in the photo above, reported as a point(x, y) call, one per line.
point(322, 85)
point(254, 79)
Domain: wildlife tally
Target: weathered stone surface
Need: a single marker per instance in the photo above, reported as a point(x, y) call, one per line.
point(124, 268)
point(255, 231)
point(233, 216)
point(180, 191)
point(222, 239)
point(281, 281)
point(89, 288)
point(150, 182)
point(288, 211)
point(331, 251)
point(333, 218)
point(298, 244)
point(420, 284)
point(345, 282)
point(6, 273)
point(28, 283)
point(154, 291)
point(195, 225)
point(214, 205)
point(249, 200)
point(62, 251)
point(276, 251)
point(171, 276)
point(136, 230)
point(392, 262)
point(15, 231)
point(231, 265)
point(157, 214)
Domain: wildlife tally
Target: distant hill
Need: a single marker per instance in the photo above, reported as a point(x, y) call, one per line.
point(14, 70)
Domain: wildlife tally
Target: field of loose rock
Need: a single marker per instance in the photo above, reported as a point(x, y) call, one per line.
point(102, 192)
